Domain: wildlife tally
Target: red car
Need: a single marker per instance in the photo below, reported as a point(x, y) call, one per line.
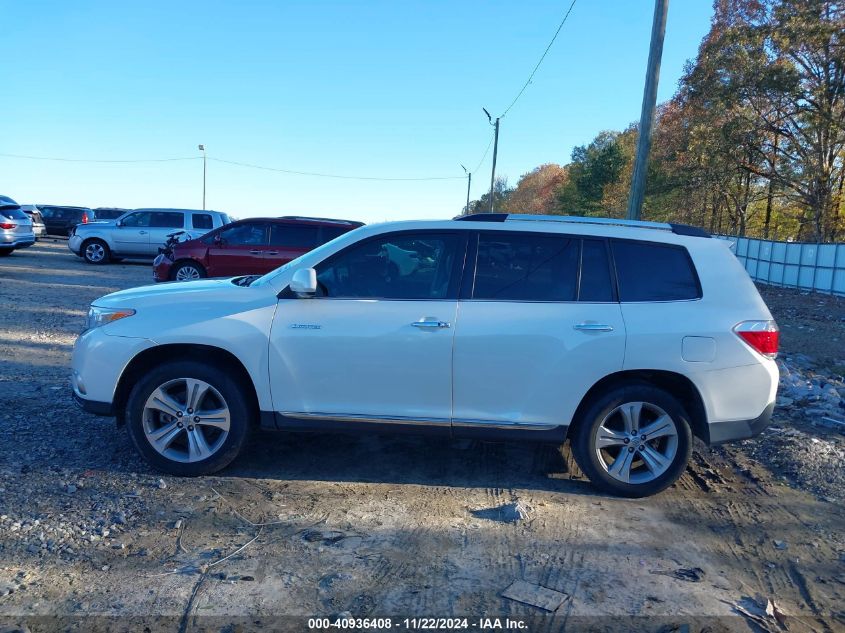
point(247, 247)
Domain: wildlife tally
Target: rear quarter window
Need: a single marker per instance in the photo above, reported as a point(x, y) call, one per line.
point(647, 271)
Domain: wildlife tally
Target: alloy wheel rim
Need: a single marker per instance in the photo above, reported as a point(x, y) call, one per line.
point(636, 442)
point(186, 420)
point(187, 272)
point(95, 252)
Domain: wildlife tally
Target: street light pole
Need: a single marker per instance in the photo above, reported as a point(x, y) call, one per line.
point(655, 53)
point(495, 153)
point(469, 185)
point(202, 149)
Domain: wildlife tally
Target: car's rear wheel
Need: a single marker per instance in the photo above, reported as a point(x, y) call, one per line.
point(95, 251)
point(186, 271)
point(188, 418)
point(633, 441)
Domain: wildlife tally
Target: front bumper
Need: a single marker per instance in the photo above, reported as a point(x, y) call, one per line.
point(97, 363)
point(105, 409)
point(74, 243)
point(161, 267)
point(721, 432)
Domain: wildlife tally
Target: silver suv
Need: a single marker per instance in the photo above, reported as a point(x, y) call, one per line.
point(15, 227)
point(139, 233)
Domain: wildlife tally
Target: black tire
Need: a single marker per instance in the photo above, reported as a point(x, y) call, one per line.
point(186, 265)
point(95, 251)
point(233, 392)
point(584, 440)
point(5, 252)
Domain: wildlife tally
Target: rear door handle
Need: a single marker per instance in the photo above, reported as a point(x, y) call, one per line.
point(272, 252)
point(255, 252)
point(593, 327)
point(431, 324)
point(142, 232)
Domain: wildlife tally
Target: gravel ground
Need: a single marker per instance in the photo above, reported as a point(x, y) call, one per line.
point(325, 524)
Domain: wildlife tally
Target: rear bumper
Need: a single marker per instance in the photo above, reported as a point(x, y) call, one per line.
point(721, 432)
point(17, 241)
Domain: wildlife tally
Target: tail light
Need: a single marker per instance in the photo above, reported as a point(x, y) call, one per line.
point(7, 225)
point(762, 336)
point(84, 218)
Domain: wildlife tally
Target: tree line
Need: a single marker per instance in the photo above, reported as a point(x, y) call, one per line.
point(751, 144)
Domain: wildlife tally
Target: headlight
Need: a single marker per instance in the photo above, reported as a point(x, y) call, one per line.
point(102, 316)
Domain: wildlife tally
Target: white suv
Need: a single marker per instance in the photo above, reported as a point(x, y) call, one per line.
point(628, 338)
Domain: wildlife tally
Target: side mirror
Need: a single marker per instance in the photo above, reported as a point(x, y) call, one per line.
point(119, 223)
point(218, 239)
point(304, 283)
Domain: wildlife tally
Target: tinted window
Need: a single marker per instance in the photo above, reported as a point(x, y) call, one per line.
point(14, 214)
point(201, 221)
point(526, 267)
point(247, 234)
point(293, 236)
point(140, 219)
point(331, 232)
point(654, 272)
point(596, 285)
point(167, 220)
point(398, 266)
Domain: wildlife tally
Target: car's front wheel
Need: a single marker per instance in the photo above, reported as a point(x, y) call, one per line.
point(186, 271)
point(95, 251)
point(633, 441)
point(5, 252)
point(188, 418)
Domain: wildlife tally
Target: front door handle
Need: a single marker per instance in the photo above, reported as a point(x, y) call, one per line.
point(430, 324)
point(593, 327)
point(272, 252)
point(142, 232)
point(255, 252)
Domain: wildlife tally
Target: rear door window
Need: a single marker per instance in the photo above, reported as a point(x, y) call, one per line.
point(647, 271)
point(167, 220)
point(293, 235)
point(526, 267)
point(201, 221)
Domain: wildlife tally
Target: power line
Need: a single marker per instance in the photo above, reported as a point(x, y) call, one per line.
point(486, 151)
point(324, 175)
point(232, 162)
point(531, 76)
point(94, 160)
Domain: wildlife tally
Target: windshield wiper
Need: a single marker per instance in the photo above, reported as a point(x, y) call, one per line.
point(245, 281)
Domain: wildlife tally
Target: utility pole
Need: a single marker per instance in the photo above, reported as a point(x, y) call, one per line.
point(495, 153)
point(469, 185)
point(202, 149)
point(655, 53)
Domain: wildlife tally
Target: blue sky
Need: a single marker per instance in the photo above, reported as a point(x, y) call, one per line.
point(384, 88)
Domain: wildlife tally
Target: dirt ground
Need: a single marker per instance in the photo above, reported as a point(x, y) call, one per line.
point(307, 525)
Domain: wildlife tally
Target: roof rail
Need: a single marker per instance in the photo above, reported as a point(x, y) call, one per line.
point(482, 217)
point(679, 229)
point(333, 220)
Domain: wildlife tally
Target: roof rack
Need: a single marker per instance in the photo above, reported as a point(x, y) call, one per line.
point(679, 229)
point(303, 217)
